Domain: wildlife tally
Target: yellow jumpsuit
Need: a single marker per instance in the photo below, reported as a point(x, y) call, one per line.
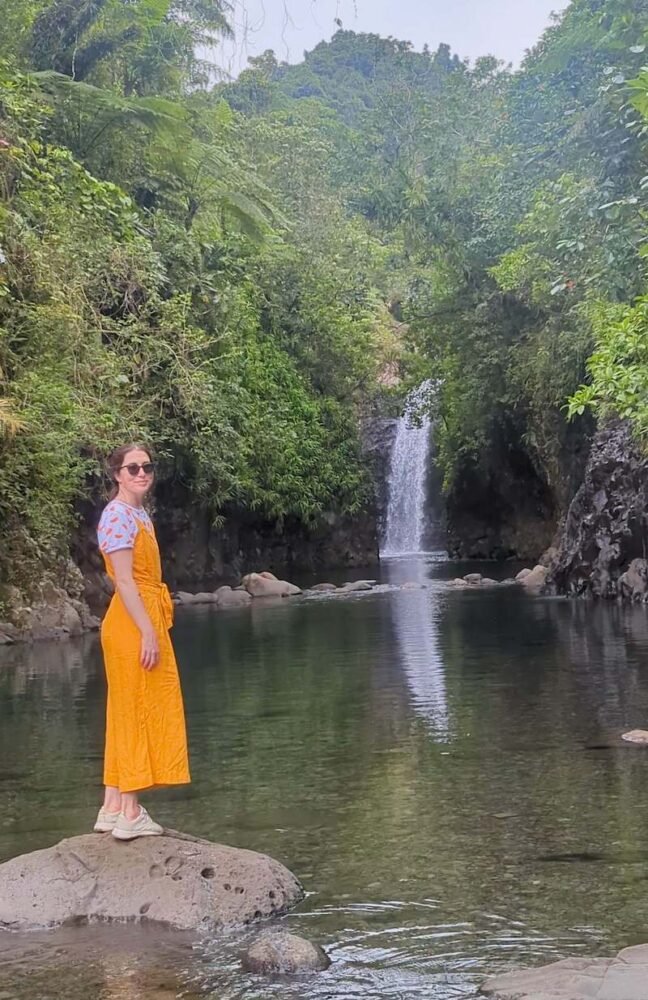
point(146, 742)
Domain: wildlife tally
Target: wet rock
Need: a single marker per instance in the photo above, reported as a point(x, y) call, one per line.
point(622, 978)
point(486, 581)
point(202, 597)
point(639, 736)
point(184, 597)
point(206, 597)
point(536, 579)
point(323, 588)
point(8, 633)
point(473, 578)
point(228, 598)
point(522, 575)
point(284, 953)
point(458, 583)
point(265, 585)
point(633, 584)
point(355, 587)
point(174, 880)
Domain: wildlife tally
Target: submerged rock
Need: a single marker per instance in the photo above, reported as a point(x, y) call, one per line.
point(622, 978)
point(174, 880)
point(281, 952)
point(323, 588)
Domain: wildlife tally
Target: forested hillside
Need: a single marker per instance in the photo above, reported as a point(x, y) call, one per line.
point(230, 270)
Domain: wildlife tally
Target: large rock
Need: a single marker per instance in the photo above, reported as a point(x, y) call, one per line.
point(535, 580)
point(606, 528)
point(264, 585)
point(228, 598)
point(622, 978)
point(633, 584)
point(280, 952)
point(177, 881)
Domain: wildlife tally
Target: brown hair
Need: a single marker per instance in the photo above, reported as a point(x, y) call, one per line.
point(115, 461)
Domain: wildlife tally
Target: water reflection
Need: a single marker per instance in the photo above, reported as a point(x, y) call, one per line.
point(415, 615)
point(441, 768)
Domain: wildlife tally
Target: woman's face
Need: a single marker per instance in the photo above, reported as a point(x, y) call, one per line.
point(136, 473)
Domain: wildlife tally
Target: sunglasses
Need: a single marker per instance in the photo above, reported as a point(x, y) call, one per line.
point(133, 468)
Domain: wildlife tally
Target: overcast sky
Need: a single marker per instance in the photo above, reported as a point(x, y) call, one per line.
point(504, 28)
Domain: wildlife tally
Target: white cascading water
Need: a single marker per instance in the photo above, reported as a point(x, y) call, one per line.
point(405, 527)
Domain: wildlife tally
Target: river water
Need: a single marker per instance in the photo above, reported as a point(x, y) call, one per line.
point(441, 769)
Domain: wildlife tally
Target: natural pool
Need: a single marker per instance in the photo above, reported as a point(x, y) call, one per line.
point(436, 767)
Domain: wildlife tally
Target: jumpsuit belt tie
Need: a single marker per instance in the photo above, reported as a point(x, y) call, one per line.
point(161, 592)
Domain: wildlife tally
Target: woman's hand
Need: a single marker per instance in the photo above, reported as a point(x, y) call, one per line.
point(150, 649)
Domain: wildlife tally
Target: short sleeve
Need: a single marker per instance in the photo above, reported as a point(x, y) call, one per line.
point(117, 529)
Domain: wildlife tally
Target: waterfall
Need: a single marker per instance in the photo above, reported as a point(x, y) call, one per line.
point(406, 529)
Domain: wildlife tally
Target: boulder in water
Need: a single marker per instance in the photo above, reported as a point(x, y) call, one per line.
point(175, 880)
point(281, 952)
point(355, 587)
point(262, 585)
point(639, 736)
point(633, 584)
point(536, 579)
point(228, 598)
point(622, 978)
point(522, 575)
point(323, 588)
point(473, 578)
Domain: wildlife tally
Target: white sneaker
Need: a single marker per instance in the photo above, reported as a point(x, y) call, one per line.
point(106, 821)
point(130, 829)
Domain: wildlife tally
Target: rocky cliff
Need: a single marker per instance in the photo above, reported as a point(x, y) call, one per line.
point(602, 546)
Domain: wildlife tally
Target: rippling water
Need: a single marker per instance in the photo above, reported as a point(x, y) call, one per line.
point(441, 769)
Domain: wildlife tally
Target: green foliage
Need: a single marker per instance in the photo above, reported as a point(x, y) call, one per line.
point(233, 273)
point(618, 368)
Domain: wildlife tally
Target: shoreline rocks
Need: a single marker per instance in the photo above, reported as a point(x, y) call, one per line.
point(622, 978)
point(475, 581)
point(177, 881)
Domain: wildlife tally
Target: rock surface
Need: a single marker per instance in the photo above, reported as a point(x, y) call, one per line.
point(175, 880)
point(622, 978)
point(603, 540)
point(281, 952)
point(267, 585)
point(535, 580)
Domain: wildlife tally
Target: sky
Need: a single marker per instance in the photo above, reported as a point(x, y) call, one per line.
point(472, 28)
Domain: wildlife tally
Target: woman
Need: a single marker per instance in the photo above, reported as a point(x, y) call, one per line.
point(146, 742)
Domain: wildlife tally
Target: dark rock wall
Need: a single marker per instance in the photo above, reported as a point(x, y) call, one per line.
point(504, 506)
point(503, 512)
point(606, 526)
point(196, 553)
point(378, 437)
